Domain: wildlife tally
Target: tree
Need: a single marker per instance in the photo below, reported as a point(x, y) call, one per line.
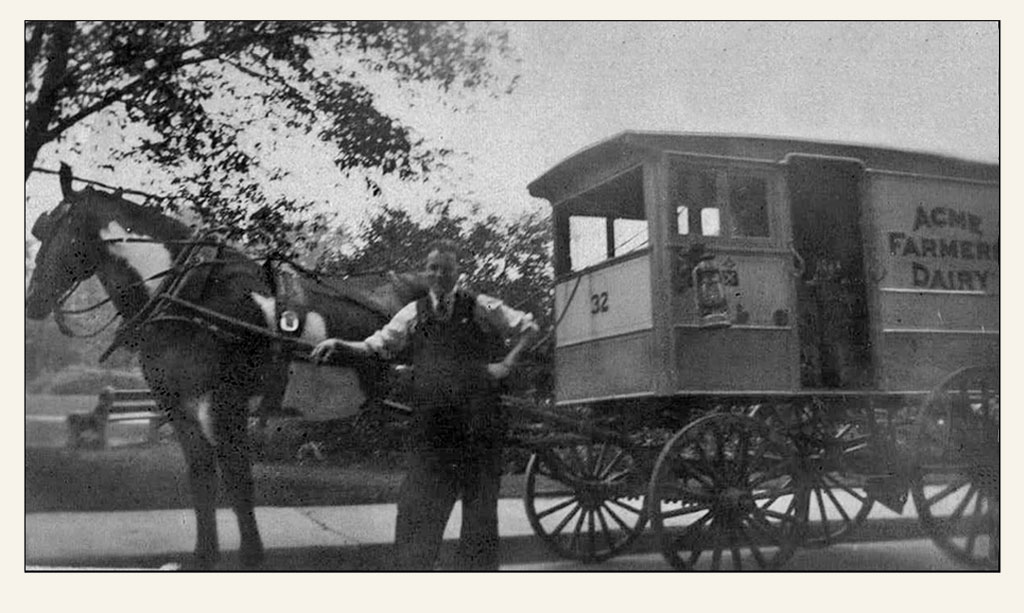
point(191, 91)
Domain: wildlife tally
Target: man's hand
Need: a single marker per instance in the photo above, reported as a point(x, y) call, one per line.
point(324, 350)
point(498, 370)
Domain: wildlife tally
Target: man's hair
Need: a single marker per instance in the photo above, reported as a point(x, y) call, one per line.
point(444, 245)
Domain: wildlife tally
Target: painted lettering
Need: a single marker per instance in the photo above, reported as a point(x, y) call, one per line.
point(938, 280)
point(910, 247)
point(982, 276)
point(928, 247)
point(894, 242)
point(966, 250)
point(921, 275)
point(924, 273)
point(965, 279)
point(941, 279)
point(921, 219)
point(948, 249)
point(974, 223)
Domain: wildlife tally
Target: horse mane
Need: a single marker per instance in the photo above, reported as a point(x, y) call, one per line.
point(154, 219)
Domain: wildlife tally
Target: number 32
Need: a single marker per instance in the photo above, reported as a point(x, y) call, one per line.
point(599, 303)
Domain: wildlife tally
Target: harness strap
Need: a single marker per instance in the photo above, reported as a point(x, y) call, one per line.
point(172, 279)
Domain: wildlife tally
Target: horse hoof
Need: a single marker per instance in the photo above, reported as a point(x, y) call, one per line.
point(251, 558)
point(205, 561)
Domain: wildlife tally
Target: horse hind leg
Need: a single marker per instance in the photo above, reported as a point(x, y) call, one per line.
point(230, 422)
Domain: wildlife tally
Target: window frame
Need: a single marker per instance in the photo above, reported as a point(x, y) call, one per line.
point(563, 234)
point(723, 172)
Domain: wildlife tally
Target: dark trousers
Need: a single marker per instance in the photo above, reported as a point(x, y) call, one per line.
point(436, 478)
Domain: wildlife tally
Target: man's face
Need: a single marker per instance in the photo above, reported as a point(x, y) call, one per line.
point(442, 271)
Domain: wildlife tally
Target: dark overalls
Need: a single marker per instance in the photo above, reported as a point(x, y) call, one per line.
point(457, 438)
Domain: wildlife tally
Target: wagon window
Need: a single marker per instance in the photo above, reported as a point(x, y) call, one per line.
point(630, 235)
point(694, 195)
point(719, 202)
point(587, 241)
point(607, 221)
point(748, 205)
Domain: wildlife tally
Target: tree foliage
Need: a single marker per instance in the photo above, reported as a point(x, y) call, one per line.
point(193, 91)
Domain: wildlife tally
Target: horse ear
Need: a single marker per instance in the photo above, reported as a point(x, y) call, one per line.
point(65, 180)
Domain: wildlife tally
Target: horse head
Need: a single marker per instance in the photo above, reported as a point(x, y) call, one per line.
point(69, 250)
point(93, 232)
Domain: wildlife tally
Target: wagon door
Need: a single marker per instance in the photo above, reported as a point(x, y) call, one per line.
point(832, 316)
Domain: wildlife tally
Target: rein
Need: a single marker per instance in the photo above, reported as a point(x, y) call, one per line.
point(60, 313)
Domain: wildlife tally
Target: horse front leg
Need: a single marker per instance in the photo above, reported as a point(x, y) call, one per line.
point(233, 454)
point(200, 456)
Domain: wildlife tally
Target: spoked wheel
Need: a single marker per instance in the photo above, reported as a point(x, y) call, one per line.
point(829, 452)
point(585, 501)
point(957, 496)
point(721, 497)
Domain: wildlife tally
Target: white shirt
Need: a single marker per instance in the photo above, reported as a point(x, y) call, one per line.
point(491, 314)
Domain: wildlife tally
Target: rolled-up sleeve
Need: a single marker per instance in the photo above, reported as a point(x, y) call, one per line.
point(501, 318)
point(393, 337)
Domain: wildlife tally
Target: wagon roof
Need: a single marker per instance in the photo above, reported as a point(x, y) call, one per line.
point(774, 149)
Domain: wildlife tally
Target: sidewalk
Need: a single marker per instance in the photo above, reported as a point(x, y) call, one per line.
point(339, 538)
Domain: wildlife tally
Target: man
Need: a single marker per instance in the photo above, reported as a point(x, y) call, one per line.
point(457, 428)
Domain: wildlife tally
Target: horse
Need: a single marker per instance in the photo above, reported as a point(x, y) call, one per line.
point(209, 327)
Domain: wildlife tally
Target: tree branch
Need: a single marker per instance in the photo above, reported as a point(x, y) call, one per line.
point(118, 94)
point(32, 47)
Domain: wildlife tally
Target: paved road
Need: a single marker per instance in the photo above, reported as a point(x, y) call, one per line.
point(915, 555)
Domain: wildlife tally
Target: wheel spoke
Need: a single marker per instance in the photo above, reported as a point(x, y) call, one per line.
point(680, 539)
point(574, 541)
point(779, 516)
point(958, 512)
point(754, 549)
point(832, 482)
point(843, 430)
point(591, 533)
point(742, 450)
point(604, 528)
point(556, 494)
point(556, 508)
point(947, 491)
point(821, 506)
point(617, 519)
point(565, 521)
point(595, 466)
point(619, 503)
point(761, 525)
point(615, 460)
point(737, 562)
point(839, 507)
point(975, 527)
point(716, 556)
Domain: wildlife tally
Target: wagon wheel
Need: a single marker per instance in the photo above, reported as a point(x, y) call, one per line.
point(585, 500)
point(828, 453)
point(722, 485)
point(957, 496)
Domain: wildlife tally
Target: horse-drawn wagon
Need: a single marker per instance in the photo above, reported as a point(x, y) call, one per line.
point(821, 319)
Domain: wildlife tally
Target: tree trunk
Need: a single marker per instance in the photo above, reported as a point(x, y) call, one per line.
point(40, 113)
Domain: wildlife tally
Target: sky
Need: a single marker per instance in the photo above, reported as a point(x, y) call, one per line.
point(930, 86)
